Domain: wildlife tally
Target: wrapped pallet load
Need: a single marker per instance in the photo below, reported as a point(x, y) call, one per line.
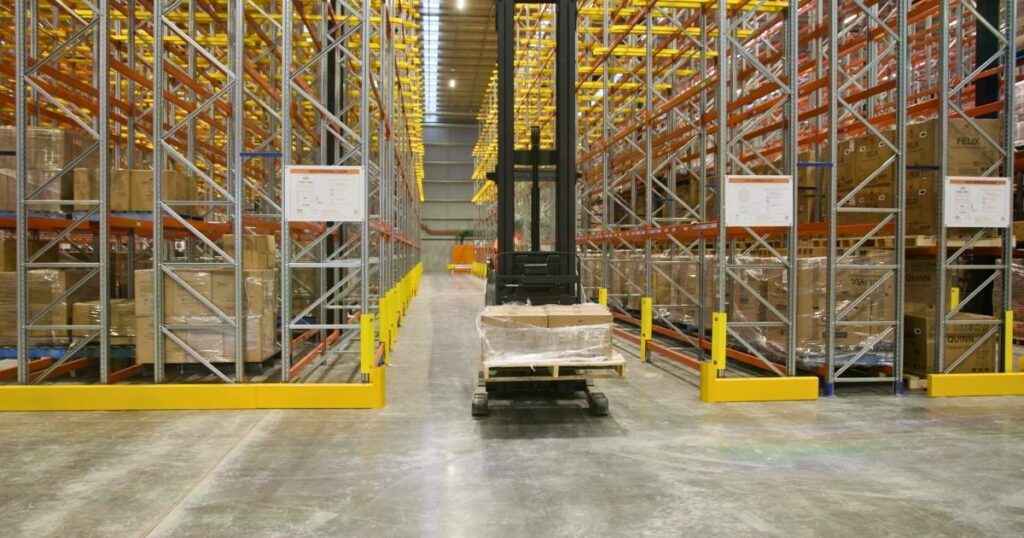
point(534, 336)
point(215, 341)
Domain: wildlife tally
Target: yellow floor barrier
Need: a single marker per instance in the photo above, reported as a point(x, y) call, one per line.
point(67, 397)
point(714, 389)
point(1005, 383)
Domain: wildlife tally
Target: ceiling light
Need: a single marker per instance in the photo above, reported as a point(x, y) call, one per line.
point(460, 4)
point(451, 83)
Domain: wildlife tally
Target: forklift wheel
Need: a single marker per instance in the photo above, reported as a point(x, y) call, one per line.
point(598, 404)
point(480, 405)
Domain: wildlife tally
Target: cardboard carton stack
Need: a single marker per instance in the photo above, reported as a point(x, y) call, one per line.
point(132, 190)
point(520, 335)
point(968, 154)
point(47, 152)
point(215, 342)
point(44, 287)
point(920, 319)
point(121, 319)
point(9, 253)
point(919, 350)
point(258, 251)
point(812, 307)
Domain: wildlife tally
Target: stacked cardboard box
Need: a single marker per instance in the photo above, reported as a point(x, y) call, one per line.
point(121, 319)
point(44, 287)
point(9, 253)
point(48, 151)
point(132, 190)
point(520, 335)
point(812, 306)
point(920, 320)
point(258, 251)
point(181, 307)
point(919, 349)
point(968, 153)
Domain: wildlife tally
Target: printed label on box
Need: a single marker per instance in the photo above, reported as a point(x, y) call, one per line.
point(759, 201)
point(325, 194)
point(977, 202)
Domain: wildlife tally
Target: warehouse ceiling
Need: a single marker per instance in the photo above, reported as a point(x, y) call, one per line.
point(460, 45)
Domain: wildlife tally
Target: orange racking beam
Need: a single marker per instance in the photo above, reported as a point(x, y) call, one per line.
point(69, 366)
point(33, 366)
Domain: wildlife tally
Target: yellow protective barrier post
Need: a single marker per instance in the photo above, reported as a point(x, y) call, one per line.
point(1008, 342)
point(954, 297)
point(715, 389)
point(602, 296)
point(646, 323)
point(395, 306)
point(383, 311)
point(366, 341)
point(719, 337)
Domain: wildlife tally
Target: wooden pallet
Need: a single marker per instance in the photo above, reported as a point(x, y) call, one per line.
point(562, 371)
point(913, 382)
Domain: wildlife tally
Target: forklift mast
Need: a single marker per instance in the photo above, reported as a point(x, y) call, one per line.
point(537, 276)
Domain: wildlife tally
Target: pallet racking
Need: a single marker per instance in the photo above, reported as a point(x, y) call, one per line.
point(673, 95)
point(228, 93)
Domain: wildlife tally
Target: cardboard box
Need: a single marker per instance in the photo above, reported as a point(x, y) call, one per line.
point(215, 344)
point(919, 284)
point(144, 344)
point(86, 187)
point(258, 251)
point(846, 165)
point(46, 147)
point(812, 303)
point(176, 187)
point(919, 343)
point(968, 152)
point(921, 206)
point(873, 196)
point(514, 316)
point(9, 253)
point(578, 315)
point(44, 287)
point(872, 153)
point(121, 317)
point(59, 189)
point(216, 287)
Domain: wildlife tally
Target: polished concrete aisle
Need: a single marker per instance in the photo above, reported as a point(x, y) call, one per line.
point(662, 464)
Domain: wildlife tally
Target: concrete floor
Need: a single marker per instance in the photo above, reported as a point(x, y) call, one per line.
point(662, 465)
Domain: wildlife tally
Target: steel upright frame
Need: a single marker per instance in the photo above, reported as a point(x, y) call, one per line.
point(955, 101)
point(884, 61)
point(35, 67)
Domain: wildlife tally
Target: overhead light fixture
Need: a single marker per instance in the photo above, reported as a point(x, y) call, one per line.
point(460, 4)
point(451, 83)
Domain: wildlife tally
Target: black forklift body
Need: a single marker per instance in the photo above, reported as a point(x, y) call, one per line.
point(537, 276)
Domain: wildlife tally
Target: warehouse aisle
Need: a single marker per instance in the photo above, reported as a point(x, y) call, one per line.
point(662, 464)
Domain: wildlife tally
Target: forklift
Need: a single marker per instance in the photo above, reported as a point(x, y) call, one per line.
point(536, 276)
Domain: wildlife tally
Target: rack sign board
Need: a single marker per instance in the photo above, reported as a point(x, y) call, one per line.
point(325, 194)
point(758, 200)
point(977, 202)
